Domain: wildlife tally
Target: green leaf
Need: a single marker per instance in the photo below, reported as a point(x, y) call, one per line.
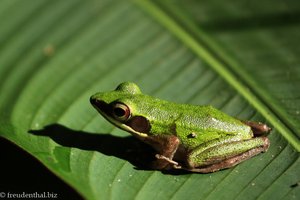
point(239, 56)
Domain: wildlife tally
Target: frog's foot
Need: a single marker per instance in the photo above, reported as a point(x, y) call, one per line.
point(162, 157)
point(258, 128)
point(171, 162)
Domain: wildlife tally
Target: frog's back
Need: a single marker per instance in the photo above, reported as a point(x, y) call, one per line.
point(208, 118)
point(183, 119)
point(206, 123)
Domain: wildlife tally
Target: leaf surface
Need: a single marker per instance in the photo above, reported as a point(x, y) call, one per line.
point(239, 57)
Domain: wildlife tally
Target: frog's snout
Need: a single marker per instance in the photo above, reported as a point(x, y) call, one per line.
point(93, 100)
point(96, 103)
point(101, 106)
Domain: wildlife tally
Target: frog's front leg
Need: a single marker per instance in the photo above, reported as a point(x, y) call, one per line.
point(168, 160)
point(166, 146)
point(225, 154)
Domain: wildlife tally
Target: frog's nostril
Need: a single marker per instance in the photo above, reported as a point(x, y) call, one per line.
point(93, 101)
point(98, 103)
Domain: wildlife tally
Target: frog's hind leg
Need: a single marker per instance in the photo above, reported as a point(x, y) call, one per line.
point(258, 128)
point(229, 162)
point(227, 155)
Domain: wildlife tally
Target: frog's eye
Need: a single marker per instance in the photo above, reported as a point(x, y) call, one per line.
point(120, 111)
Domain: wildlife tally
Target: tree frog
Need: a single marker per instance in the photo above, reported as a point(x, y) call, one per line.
point(189, 137)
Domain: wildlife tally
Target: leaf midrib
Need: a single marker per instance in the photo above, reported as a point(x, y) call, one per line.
point(226, 67)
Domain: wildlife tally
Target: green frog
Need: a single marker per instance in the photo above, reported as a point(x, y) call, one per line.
point(190, 137)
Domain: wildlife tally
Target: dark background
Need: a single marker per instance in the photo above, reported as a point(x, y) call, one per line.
point(20, 172)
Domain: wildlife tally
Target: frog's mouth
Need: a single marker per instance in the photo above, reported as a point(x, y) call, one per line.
point(106, 111)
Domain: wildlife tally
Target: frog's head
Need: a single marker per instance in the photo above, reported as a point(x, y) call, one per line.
point(118, 108)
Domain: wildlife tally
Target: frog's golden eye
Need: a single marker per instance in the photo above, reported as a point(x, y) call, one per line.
point(120, 111)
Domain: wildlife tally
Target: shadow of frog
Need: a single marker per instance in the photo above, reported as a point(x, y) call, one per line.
point(127, 148)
